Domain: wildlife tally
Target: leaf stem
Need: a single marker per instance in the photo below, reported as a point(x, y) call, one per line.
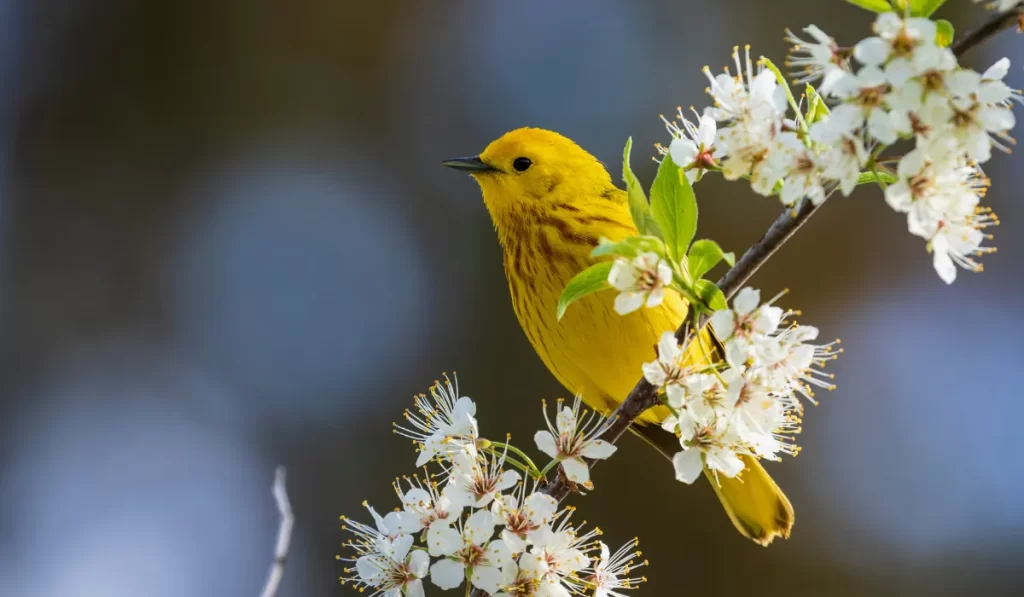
point(518, 453)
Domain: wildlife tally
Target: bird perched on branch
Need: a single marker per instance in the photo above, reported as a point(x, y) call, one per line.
point(551, 202)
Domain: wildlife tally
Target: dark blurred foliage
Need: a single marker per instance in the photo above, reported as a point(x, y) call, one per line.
point(227, 243)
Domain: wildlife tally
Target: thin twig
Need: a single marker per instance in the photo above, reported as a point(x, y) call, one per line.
point(989, 29)
point(284, 535)
point(644, 395)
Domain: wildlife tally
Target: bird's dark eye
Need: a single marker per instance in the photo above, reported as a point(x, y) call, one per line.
point(521, 164)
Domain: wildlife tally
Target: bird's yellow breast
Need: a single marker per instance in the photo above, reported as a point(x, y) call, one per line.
point(593, 350)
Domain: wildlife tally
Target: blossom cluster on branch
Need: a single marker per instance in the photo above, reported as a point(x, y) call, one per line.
point(901, 84)
point(469, 519)
point(744, 402)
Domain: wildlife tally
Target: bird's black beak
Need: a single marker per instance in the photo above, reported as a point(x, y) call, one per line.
point(471, 164)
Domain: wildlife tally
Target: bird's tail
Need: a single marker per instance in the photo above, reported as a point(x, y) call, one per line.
point(755, 504)
point(753, 501)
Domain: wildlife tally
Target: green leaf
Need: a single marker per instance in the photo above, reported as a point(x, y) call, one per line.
point(674, 207)
point(639, 208)
point(924, 8)
point(710, 294)
point(869, 178)
point(944, 33)
point(872, 5)
point(703, 257)
point(588, 281)
point(816, 106)
point(900, 5)
point(629, 247)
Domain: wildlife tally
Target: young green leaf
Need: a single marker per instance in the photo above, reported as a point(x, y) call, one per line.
point(674, 207)
point(816, 106)
point(703, 257)
point(639, 209)
point(588, 281)
point(944, 33)
point(872, 5)
point(711, 295)
point(924, 8)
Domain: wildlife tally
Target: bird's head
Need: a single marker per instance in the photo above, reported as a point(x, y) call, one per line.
point(527, 172)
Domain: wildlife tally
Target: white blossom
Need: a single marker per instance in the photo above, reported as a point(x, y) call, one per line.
point(641, 282)
point(800, 170)
point(864, 96)
point(572, 438)
point(791, 365)
point(843, 155)
point(712, 445)
point(443, 425)
point(475, 480)
point(560, 551)
point(754, 107)
point(611, 572)
point(941, 197)
point(472, 550)
point(976, 124)
point(902, 46)
point(693, 145)
point(523, 517)
point(385, 560)
point(819, 59)
point(667, 369)
point(426, 508)
point(745, 326)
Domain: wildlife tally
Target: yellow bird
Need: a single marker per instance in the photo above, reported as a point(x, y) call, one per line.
point(551, 202)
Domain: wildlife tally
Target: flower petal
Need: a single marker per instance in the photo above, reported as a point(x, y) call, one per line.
point(683, 151)
point(598, 449)
point(546, 443)
point(448, 574)
point(576, 470)
point(419, 563)
point(629, 301)
point(540, 507)
point(414, 588)
point(443, 541)
point(507, 480)
point(688, 465)
point(746, 300)
point(871, 51)
point(487, 578)
point(479, 527)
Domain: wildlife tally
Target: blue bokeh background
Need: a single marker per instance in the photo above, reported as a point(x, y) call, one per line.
point(227, 244)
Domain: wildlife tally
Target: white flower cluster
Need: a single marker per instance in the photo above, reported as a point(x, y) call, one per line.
point(899, 84)
point(747, 403)
point(473, 520)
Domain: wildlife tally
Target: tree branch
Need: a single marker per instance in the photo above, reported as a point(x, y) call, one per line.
point(644, 395)
point(992, 26)
point(284, 535)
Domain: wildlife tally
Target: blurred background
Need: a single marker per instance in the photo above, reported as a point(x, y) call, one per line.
point(227, 243)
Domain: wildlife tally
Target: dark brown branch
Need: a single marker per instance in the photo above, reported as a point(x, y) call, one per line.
point(644, 395)
point(994, 25)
